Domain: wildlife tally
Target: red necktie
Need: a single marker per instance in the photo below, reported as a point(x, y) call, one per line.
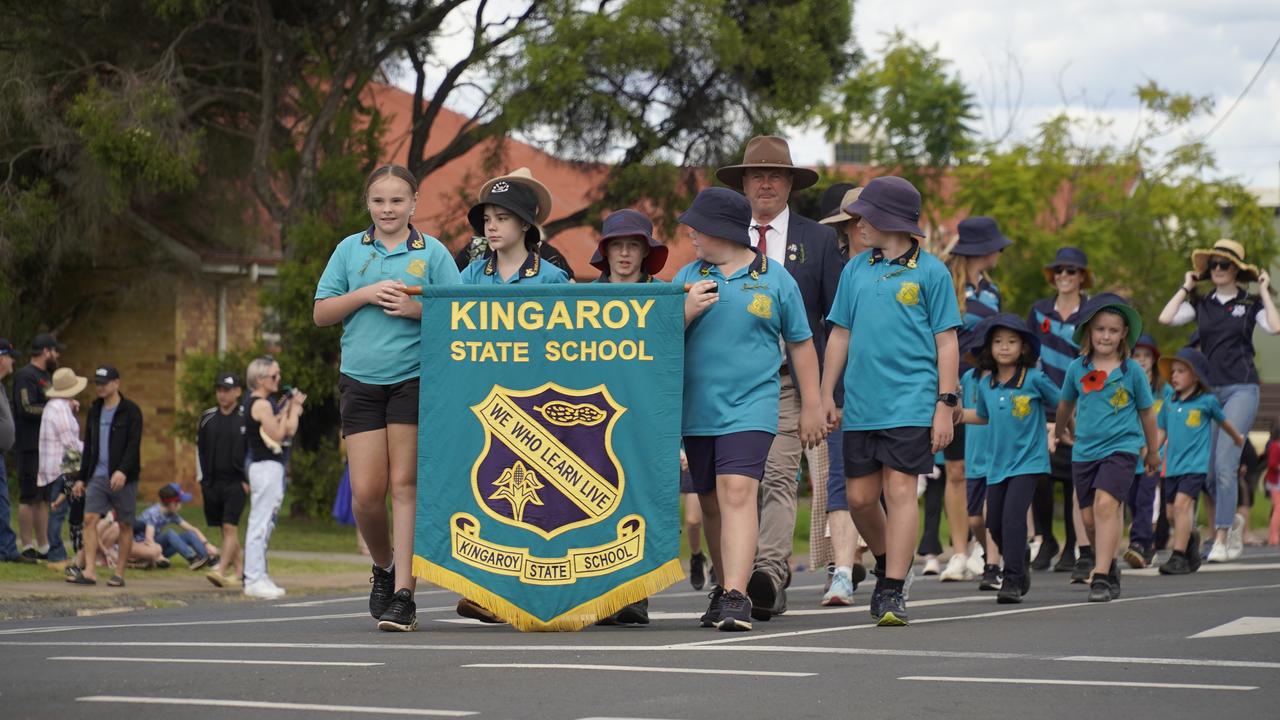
point(763, 245)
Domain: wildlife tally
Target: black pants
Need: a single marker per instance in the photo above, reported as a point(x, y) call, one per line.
point(934, 492)
point(1007, 504)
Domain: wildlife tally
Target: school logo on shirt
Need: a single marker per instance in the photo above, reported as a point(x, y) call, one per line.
point(761, 306)
point(1021, 406)
point(1237, 311)
point(1193, 418)
point(1120, 398)
point(909, 293)
point(417, 268)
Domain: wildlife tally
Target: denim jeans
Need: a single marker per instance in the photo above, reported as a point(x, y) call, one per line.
point(8, 540)
point(57, 550)
point(1240, 405)
point(183, 543)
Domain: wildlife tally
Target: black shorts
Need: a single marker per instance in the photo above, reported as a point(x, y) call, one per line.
point(975, 495)
point(955, 451)
point(223, 502)
point(1189, 485)
point(28, 473)
point(907, 450)
point(1112, 474)
point(366, 407)
point(740, 453)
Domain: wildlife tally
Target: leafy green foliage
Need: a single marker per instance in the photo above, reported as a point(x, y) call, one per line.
point(196, 385)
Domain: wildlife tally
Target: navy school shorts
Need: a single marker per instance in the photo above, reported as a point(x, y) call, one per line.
point(740, 453)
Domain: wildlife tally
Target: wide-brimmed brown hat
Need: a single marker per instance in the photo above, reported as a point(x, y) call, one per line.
point(1229, 249)
point(523, 176)
point(66, 384)
point(767, 151)
point(842, 214)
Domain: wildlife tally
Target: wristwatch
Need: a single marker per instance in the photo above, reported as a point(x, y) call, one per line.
point(950, 399)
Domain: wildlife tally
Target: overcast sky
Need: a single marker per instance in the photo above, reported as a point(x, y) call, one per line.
point(1096, 52)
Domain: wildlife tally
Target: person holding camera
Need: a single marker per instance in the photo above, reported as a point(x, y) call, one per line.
point(269, 426)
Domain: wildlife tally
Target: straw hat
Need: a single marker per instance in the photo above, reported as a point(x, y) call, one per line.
point(66, 384)
point(1229, 249)
point(523, 176)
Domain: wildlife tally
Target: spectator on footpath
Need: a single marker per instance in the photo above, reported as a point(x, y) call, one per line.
point(107, 555)
point(29, 385)
point(152, 525)
point(60, 449)
point(220, 450)
point(110, 468)
point(8, 541)
point(267, 429)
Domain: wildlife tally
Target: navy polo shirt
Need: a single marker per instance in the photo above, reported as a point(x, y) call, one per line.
point(1107, 408)
point(1015, 413)
point(1190, 434)
point(893, 309)
point(534, 271)
point(1057, 349)
point(377, 348)
point(1226, 337)
point(731, 350)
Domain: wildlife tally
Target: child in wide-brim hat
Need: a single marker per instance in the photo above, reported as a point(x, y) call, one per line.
point(1142, 495)
point(507, 215)
point(635, 226)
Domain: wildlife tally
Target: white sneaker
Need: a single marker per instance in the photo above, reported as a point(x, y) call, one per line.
point(932, 566)
point(263, 588)
point(957, 570)
point(1235, 538)
point(1218, 553)
point(274, 586)
point(976, 561)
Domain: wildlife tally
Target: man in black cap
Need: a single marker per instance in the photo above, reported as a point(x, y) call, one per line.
point(29, 385)
point(8, 541)
point(220, 450)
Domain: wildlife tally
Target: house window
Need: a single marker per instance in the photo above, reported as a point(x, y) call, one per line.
point(853, 153)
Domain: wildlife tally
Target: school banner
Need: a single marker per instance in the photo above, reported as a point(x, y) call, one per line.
point(548, 447)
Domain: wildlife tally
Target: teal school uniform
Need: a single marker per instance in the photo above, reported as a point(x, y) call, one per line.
point(1106, 408)
point(732, 355)
point(376, 348)
point(893, 308)
point(977, 450)
point(1190, 434)
point(535, 270)
point(1015, 413)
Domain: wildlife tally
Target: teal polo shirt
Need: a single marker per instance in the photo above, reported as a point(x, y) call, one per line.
point(1015, 414)
point(534, 271)
point(893, 309)
point(1190, 434)
point(731, 350)
point(1106, 409)
point(977, 453)
point(377, 348)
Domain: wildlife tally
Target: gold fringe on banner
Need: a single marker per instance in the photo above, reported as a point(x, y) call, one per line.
point(651, 583)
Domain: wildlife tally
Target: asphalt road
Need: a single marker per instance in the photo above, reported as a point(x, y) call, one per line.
point(964, 656)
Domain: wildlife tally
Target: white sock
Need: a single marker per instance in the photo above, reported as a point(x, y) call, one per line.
point(846, 569)
point(391, 568)
point(42, 549)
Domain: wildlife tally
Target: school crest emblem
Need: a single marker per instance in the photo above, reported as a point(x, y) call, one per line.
point(1193, 418)
point(417, 267)
point(1021, 406)
point(909, 293)
point(1120, 398)
point(761, 306)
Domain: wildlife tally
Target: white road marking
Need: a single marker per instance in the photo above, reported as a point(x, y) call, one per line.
point(640, 668)
point(212, 661)
point(805, 612)
point(1248, 625)
point(974, 655)
point(1086, 683)
point(257, 705)
point(1210, 568)
point(704, 593)
point(332, 601)
point(117, 626)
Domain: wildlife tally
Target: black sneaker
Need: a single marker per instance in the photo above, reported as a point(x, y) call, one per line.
point(1176, 565)
point(199, 562)
point(711, 576)
point(1149, 555)
point(763, 595)
point(1136, 556)
point(384, 588)
point(697, 570)
point(637, 613)
point(1100, 589)
point(1083, 567)
point(712, 614)
point(468, 608)
point(401, 614)
point(1044, 556)
point(1193, 551)
point(893, 608)
point(1114, 579)
point(31, 554)
point(1013, 589)
point(735, 612)
point(1066, 561)
point(992, 579)
point(163, 564)
point(857, 574)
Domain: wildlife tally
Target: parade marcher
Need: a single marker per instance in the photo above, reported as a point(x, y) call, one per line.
point(1012, 400)
point(268, 429)
point(109, 469)
point(807, 250)
point(29, 385)
point(741, 306)
point(1184, 420)
point(8, 540)
point(970, 261)
point(60, 450)
point(378, 384)
point(220, 451)
point(1225, 321)
point(1142, 500)
point(976, 464)
point(508, 215)
point(479, 245)
point(894, 321)
point(1105, 415)
point(1053, 321)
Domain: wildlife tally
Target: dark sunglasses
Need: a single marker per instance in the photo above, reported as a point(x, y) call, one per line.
point(1067, 270)
point(1221, 264)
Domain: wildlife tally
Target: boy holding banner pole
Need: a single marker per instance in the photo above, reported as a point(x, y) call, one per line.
point(741, 300)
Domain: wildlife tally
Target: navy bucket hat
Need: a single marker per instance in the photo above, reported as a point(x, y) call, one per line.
point(979, 235)
point(720, 212)
point(982, 332)
point(630, 223)
point(1070, 257)
point(1109, 301)
point(890, 204)
point(1149, 343)
point(1190, 356)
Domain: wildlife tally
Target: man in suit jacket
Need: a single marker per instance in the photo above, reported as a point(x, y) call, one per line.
point(808, 251)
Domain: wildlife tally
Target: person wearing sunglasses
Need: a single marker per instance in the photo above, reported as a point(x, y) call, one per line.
point(1053, 322)
point(1225, 320)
